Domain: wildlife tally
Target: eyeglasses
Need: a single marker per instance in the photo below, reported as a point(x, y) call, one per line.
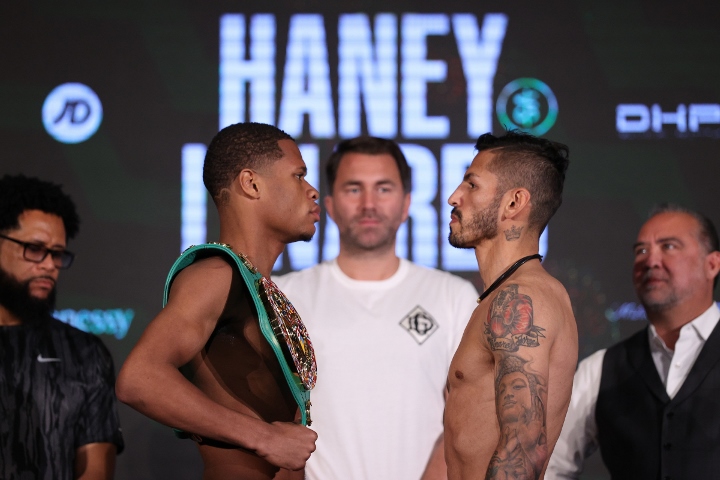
point(32, 252)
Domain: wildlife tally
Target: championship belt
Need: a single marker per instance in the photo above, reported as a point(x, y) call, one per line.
point(279, 322)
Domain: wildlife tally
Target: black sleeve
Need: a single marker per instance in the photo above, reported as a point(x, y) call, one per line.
point(98, 420)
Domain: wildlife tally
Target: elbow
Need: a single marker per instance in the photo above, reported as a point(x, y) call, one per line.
point(126, 389)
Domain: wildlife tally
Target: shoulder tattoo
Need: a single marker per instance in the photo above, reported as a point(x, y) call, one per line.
point(510, 321)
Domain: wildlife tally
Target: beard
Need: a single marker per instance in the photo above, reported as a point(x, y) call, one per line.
point(657, 306)
point(483, 225)
point(370, 239)
point(16, 298)
point(655, 301)
point(305, 237)
point(300, 235)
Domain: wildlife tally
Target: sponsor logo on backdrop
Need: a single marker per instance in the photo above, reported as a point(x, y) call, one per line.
point(72, 113)
point(527, 104)
point(637, 120)
point(627, 311)
point(115, 321)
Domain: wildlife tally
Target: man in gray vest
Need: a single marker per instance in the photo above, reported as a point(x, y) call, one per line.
point(649, 403)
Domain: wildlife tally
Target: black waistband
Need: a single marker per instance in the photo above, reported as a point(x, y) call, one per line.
point(204, 440)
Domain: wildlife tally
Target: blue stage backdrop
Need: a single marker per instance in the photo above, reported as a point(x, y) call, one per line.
point(117, 100)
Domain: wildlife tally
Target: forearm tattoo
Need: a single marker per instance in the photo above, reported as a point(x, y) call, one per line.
point(520, 392)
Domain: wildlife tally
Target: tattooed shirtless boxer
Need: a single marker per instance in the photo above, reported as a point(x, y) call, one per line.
point(510, 380)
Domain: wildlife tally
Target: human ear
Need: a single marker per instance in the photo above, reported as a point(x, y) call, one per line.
point(517, 200)
point(713, 264)
point(406, 206)
point(247, 182)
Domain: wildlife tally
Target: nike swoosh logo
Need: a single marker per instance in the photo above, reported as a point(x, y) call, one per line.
point(42, 359)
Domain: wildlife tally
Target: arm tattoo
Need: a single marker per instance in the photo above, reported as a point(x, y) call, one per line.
point(513, 233)
point(520, 399)
point(510, 321)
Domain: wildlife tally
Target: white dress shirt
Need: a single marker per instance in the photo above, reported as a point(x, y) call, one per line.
point(579, 433)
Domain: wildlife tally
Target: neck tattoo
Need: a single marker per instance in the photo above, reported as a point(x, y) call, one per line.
point(506, 274)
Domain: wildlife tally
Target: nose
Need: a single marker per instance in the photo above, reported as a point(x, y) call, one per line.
point(653, 258)
point(314, 194)
point(454, 199)
point(368, 200)
point(48, 263)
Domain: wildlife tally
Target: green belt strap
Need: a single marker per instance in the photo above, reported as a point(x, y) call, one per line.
point(252, 278)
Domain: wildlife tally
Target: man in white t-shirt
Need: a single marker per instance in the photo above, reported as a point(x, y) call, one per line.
point(383, 328)
point(649, 403)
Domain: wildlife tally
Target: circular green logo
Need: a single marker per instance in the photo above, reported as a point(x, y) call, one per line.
point(527, 104)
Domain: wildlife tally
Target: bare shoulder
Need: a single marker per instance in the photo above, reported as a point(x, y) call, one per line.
point(210, 276)
point(531, 310)
point(553, 308)
point(198, 297)
point(549, 293)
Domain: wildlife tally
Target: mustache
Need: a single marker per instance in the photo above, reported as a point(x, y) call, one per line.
point(456, 212)
point(369, 215)
point(46, 277)
point(652, 275)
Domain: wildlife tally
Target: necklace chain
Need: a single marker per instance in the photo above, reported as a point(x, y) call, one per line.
point(506, 274)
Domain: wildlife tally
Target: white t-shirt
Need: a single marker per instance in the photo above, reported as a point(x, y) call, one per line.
point(383, 352)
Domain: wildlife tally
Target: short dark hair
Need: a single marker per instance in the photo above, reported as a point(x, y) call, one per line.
point(369, 146)
point(19, 193)
point(527, 161)
point(236, 147)
point(707, 233)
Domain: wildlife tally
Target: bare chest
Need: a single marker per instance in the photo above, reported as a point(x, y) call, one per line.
point(473, 363)
point(239, 368)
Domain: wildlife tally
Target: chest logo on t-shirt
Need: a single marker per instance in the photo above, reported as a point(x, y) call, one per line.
point(419, 324)
point(42, 359)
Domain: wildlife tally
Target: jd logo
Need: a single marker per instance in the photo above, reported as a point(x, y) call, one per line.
point(72, 113)
point(419, 324)
point(76, 112)
point(527, 104)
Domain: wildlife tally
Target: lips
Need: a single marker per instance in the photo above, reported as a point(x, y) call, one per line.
point(649, 280)
point(43, 282)
point(455, 216)
point(316, 213)
point(368, 220)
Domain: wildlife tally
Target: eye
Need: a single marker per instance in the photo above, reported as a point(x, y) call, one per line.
point(669, 246)
point(32, 248)
point(640, 251)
